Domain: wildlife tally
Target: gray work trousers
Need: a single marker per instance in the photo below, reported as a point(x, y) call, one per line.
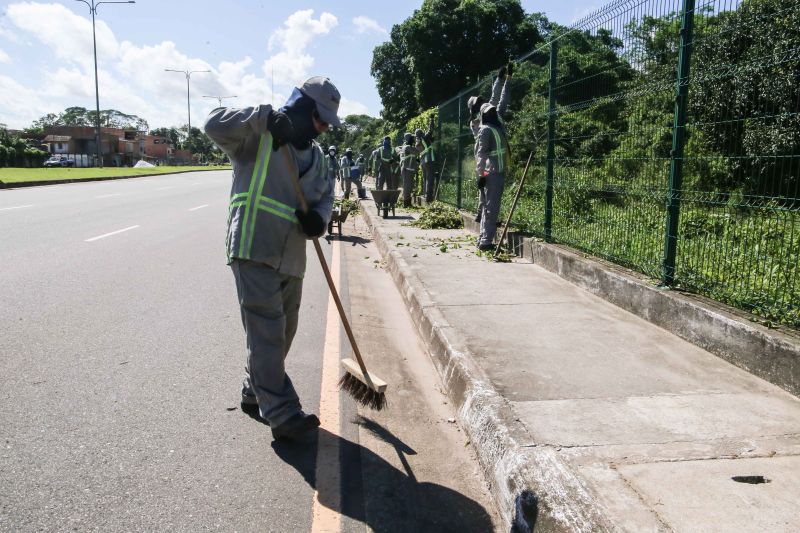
point(481, 200)
point(384, 176)
point(429, 179)
point(493, 193)
point(270, 304)
point(348, 184)
point(408, 185)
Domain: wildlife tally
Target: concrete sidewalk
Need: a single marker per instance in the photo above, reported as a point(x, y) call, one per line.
point(584, 416)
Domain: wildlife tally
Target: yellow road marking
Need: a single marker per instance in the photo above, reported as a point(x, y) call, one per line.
point(326, 515)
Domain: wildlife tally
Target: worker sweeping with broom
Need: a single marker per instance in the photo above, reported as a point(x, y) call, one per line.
point(267, 234)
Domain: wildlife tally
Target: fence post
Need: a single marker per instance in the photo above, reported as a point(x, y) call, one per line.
point(551, 143)
point(678, 141)
point(458, 155)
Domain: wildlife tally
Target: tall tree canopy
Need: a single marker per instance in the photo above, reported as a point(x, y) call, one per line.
point(443, 47)
point(80, 116)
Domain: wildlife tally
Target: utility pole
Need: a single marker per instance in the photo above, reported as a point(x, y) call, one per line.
point(188, 74)
point(93, 10)
point(221, 98)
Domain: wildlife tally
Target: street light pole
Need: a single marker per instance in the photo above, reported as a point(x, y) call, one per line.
point(221, 98)
point(93, 11)
point(188, 74)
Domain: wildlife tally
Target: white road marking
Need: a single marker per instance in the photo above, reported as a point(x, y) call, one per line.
point(326, 510)
point(15, 207)
point(198, 207)
point(109, 195)
point(110, 234)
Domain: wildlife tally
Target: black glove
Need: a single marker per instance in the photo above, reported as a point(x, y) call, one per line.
point(510, 68)
point(502, 73)
point(311, 222)
point(482, 182)
point(281, 128)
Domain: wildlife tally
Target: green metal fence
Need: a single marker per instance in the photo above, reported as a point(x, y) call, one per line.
point(666, 138)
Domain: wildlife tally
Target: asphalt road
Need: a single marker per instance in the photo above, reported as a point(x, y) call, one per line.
point(121, 356)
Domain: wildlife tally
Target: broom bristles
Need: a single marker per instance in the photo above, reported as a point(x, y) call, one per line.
point(362, 393)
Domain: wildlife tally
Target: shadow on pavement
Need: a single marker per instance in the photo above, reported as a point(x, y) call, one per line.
point(354, 239)
point(395, 501)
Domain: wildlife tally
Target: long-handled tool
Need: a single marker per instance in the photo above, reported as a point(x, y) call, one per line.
point(513, 206)
point(439, 181)
point(366, 389)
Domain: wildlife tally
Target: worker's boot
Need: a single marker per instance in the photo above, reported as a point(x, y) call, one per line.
point(295, 427)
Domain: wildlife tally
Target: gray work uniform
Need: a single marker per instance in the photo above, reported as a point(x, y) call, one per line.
point(266, 246)
point(350, 175)
point(499, 99)
point(385, 172)
point(426, 160)
point(333, 166)
point(491, 161)
point(409, 162)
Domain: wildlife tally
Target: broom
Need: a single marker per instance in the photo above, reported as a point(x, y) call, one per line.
point(366, 389)
point(513, 206)
point(439, 181)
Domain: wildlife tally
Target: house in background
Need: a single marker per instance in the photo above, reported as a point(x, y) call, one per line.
point(120, 147)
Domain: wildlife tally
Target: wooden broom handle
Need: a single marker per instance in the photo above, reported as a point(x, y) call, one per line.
point(293, 171)
point(513, 206)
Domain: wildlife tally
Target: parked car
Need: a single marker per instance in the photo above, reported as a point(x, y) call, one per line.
point(59, 161)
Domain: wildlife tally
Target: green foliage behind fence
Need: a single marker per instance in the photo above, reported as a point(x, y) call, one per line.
point(730, 167)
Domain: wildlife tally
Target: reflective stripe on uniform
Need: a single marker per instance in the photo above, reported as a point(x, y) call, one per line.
point(427, 149)
point(499, 150)
point(255, 201)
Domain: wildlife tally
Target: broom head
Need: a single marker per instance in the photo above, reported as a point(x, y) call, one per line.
point(368, 390)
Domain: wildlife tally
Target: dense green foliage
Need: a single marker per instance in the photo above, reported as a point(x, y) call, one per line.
point(739, 231)
point(80, 116)
point(445, 45)
point(15, 151)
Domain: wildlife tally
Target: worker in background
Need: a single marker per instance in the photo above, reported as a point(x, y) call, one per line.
point(361, 163)
point(333, 164)
point(491, 165)
point(372, 163)
point(385, 161)
point(409, 162)
point(350, 172)
point(268, 232)
point(499, 99)
point(426, 159)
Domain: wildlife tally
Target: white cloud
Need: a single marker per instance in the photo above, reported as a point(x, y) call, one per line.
point(132, 77)
point(68, 35)
point(365, 24)
point(7, 34)
point(290, 64)
point(351, 107)
point(21, 105)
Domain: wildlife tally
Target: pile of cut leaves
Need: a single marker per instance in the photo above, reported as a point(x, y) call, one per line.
point(438, 215)
point(347, 205)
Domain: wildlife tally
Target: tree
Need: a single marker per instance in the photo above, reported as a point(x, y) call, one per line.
point(444, 46)
point(80, 116)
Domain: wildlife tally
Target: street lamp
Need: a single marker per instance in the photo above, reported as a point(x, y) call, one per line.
point(188, 74)
point(221, 98)
point(93, 11)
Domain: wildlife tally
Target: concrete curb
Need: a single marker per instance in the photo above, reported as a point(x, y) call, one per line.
point(771, 354)
point(22, 184)
point(531, 486)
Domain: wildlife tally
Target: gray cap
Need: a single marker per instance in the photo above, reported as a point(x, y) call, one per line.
point(327, 97)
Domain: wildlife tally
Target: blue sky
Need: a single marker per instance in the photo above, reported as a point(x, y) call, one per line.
point(249, 45)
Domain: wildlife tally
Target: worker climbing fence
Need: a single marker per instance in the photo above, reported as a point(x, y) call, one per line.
point(666, 138)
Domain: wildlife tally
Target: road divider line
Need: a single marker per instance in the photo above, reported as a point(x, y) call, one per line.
point(326, 512)
point(110, 234)
point(109, 195)
point(198, 207)
point(15, 207)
